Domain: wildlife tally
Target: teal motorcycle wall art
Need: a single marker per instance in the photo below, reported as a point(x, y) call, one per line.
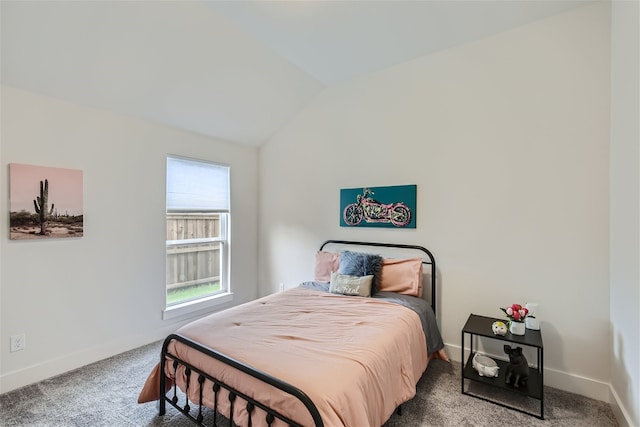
point(372, 211)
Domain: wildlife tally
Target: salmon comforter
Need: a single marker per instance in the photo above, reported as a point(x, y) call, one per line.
point(356, 358)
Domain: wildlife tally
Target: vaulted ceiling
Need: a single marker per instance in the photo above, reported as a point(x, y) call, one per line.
point(236, 70)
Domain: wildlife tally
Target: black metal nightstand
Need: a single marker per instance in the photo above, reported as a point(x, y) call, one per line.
point(481, 326)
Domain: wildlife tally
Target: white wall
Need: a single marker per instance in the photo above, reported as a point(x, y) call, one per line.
point(80, 300)
point(507, 140)
point(625, 210)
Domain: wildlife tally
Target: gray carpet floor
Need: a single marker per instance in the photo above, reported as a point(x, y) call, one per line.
point(105, 394)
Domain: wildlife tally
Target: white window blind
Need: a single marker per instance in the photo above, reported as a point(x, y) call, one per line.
point(196, 186)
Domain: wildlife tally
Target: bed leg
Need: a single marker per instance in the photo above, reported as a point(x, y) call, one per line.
point(162, 407)
point(162, 404)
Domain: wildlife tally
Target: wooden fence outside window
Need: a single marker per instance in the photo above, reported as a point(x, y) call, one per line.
point(192, 262)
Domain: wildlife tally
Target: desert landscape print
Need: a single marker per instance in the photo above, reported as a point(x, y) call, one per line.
point(45, 202)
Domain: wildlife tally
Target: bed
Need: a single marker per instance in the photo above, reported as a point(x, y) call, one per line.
point(346, 349)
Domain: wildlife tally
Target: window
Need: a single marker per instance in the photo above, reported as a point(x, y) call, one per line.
point(197, 233)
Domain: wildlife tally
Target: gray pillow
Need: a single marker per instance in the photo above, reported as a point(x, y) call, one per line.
point(361, 264)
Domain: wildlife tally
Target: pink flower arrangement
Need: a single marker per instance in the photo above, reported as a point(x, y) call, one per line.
point(516, 313)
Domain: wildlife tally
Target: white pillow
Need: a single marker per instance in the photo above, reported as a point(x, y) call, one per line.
point(350, 285)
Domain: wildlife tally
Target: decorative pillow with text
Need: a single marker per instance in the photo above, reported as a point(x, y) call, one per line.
point(351, 285)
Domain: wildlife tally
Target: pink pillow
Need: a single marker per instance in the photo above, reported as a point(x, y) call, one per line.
point(326, 263)
point(403, 276)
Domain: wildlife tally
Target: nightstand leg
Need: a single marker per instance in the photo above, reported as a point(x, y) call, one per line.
point(541, 367)
point(462, 366)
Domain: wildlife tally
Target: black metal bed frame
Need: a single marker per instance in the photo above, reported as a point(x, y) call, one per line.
point(216, 385)
point(205, 380)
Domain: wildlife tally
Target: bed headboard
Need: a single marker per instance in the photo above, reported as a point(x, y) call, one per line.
point(392, 250)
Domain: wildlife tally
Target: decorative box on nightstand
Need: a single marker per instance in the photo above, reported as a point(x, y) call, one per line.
point(480, 326)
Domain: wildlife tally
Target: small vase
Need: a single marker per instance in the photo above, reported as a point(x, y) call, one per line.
point(517, 328)
point(532, 322)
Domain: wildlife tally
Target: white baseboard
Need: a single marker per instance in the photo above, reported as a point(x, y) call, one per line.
point(572, 383)
point(50, 368)
point(622, 415)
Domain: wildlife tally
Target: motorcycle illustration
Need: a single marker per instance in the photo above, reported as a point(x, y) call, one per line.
point(372, 210)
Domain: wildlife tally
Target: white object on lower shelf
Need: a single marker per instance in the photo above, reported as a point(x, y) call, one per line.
point(485, 366)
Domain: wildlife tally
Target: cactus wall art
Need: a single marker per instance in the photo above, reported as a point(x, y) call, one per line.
point(45, 202)
point(41, 204)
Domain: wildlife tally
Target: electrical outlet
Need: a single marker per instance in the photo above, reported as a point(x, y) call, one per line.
point(18, 342)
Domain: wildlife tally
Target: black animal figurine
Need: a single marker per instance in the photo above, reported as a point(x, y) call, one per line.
point(517, 371)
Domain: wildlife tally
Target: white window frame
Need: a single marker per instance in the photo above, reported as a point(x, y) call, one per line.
point(202, 305)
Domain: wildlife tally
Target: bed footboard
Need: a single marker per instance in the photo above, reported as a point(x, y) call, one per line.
point(206, 380)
